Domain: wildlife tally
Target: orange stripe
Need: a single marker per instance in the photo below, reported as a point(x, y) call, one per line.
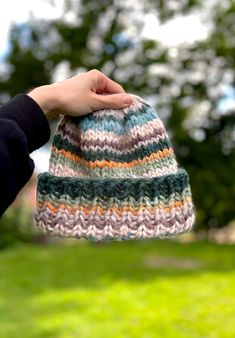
point(110, 164)
point(101, 211)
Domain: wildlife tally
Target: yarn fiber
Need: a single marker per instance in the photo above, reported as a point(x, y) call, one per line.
point(113, 174)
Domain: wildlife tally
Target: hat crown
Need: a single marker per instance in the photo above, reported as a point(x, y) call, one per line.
point(130, 142)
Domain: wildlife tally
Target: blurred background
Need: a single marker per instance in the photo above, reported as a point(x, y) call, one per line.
point(179, 56)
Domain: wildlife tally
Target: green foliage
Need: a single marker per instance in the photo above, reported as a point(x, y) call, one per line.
point(183, 81)
point(27, 68)
point(16, 226)
point(131, 290)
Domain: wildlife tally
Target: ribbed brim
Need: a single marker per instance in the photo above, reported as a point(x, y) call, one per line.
point(117, 208)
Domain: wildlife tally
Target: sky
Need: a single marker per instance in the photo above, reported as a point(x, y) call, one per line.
point(172, 33)
point(179, 30)
point(20, 12)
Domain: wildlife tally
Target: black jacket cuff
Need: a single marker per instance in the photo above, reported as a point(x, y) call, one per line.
point(30, 118)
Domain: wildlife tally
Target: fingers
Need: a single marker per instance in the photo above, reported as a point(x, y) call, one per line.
point(116, 98)
point(110, 86)
point(102, 84)
point(113, 101)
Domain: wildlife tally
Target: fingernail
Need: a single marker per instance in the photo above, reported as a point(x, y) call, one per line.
point(127, 99)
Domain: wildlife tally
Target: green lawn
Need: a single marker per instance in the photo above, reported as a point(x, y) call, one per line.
point(139, 289)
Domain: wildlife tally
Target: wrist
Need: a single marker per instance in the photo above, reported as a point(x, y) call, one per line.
point(46, 98)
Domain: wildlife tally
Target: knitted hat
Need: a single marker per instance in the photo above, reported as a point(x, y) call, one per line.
point(113, 175)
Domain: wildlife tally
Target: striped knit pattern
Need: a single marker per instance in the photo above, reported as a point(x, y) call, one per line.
point(113, 175)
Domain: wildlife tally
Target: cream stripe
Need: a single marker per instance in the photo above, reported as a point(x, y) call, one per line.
point(63, 170)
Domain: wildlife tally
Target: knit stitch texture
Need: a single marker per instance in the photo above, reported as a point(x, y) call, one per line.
point(113, 174)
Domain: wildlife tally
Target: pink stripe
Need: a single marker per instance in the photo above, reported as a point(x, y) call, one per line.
point(157, 223)
point(111, 145)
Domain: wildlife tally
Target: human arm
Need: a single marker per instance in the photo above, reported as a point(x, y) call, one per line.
point(24, 122)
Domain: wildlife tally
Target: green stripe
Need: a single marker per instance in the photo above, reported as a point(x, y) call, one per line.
point(112, 202)
point(113, 172)
point(161, 187)
point(137, 154)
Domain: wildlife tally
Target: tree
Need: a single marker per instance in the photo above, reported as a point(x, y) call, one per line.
point(187, 83)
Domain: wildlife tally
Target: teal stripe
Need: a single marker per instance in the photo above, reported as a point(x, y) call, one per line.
point(120, 127)
point(137, 154)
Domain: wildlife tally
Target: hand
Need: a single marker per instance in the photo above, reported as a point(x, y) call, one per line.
point(80, 95)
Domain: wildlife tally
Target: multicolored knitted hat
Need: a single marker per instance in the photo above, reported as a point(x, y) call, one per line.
point(113, 175)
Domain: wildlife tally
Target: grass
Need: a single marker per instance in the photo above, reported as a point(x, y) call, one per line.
point(142, 289)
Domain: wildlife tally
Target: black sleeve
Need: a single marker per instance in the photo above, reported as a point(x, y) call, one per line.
point(23, 129)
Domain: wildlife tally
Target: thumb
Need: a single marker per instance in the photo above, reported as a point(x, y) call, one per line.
point(114, 101)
